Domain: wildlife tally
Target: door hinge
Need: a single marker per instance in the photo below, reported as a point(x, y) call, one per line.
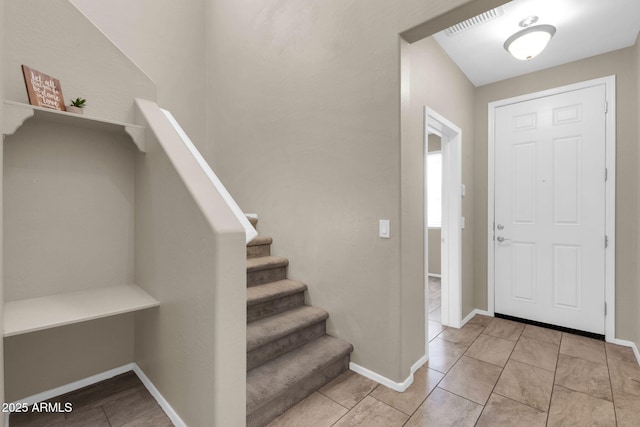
point(606, 107)
point(605, 308)
point(606, 241)
point(606, 174)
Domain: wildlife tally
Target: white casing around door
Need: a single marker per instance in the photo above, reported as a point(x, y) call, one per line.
point(549, 231)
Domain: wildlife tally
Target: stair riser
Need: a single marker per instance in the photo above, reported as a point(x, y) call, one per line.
point(279, 305)
point(260, 277)
point(277, 348)
point(297, 392)
point(258, 251)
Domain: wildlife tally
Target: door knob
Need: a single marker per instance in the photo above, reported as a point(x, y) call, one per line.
point(500, 239)
point(500, 227)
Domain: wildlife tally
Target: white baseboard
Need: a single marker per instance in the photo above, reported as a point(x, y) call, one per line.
point(631, 344)
point(76, 385)
point(399, 387)
point(473, 313)
point(166, 407)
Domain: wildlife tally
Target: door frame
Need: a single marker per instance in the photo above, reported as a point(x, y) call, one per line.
point(610, 193)
point(451, 228)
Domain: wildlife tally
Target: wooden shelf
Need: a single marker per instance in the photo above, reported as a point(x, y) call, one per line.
point(16, 113)
point(35, 314)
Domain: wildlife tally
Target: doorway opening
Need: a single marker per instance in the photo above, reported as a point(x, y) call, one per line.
point(449, 217)
point(434, 223)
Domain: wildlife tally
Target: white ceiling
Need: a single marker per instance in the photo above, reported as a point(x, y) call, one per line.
point(584, 28)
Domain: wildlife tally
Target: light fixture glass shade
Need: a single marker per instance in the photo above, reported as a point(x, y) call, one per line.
point(528, 43)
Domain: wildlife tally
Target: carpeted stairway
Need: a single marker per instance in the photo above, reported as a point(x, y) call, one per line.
point(289, 354)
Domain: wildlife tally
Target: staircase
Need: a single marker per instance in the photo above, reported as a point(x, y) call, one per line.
point(289, 354)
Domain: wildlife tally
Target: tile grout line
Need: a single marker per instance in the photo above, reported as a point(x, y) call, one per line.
point(539, 367)
point(455, 363)
point(500, 376)
point(105, 415)
point(553, 385)
point(584, 394)
point(509, 358)
point(390, 406)
point(335, 401)
point(613, 396)
point(461, 397)
point(445, 374)
point(426, 397)
point(520, 403)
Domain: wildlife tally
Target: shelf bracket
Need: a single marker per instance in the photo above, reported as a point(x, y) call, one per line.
point(137, 134)
point(14, 116)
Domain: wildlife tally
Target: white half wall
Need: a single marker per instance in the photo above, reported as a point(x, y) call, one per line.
point(190, 254)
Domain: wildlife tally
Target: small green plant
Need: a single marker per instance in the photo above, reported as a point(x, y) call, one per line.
point(79, 102)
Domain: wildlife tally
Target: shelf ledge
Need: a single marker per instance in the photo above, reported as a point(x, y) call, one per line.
point(16, 113)
point(35, 314)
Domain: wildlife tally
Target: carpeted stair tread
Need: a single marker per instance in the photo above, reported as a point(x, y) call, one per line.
point(260, 240)
point(253, 221)
point(274, 290)
point(269, 381)
point(265, 263)
point(272, 328)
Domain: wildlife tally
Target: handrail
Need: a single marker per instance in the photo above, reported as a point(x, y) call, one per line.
point(147, 109)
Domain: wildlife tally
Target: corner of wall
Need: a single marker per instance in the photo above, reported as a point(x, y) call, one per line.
point(1, 174)
point(637, 79)
point(412, 346)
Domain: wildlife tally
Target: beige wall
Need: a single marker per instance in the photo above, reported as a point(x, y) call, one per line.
point(68, 223)
point(68, 194)
point(622, 64)
point(40, 361)
point(109, 81)
point(305, 131)
point(436, 82)
point(166, 39)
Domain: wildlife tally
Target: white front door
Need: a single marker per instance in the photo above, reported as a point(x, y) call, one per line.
point(549, 216)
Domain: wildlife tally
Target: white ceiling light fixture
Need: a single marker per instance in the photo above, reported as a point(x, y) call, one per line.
point(528, 43)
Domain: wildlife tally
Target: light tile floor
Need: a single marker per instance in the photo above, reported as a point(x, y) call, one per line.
point(490, 373)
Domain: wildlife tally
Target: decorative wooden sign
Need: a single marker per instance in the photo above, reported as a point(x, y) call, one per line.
point(43, 90)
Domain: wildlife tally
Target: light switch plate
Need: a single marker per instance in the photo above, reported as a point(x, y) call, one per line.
point(383, 230)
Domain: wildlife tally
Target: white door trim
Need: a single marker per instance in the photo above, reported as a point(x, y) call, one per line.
point(451, 272)
point(610, 186)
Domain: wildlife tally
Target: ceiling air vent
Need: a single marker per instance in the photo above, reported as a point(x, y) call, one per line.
point(475, 21)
